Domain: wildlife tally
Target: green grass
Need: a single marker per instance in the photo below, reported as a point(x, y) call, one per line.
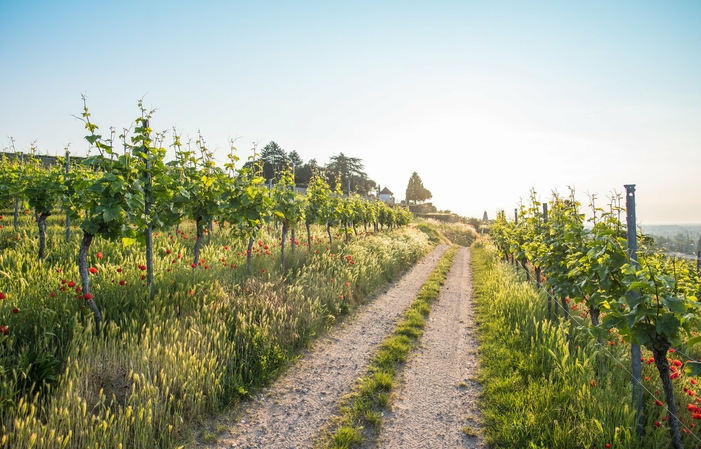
point(211, 337)
point(470, 431)
point(360, 413)
point(450, 233)
point(433, 235)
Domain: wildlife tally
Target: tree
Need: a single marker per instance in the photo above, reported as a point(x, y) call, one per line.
point(415, 190)
point(294, 159)
point(275, 159)
point(363, 186)
point(485, 218)
point(304, 173)
point(298, 167)
point(343, 169)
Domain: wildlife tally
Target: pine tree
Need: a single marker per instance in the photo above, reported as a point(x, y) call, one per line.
point(415, 190)
point(275, 159)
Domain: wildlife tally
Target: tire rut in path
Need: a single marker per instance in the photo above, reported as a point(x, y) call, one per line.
point(438, 396)
point(290, 413)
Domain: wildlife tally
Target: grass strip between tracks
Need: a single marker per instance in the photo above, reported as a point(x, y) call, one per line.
point(360, 413)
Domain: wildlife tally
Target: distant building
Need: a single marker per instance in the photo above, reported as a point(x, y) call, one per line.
point(387, 196)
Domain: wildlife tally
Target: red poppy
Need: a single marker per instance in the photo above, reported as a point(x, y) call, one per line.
point(2, 296)
point(92, 270)
point(71, 284)
point(15, 310)
point(52, 294)
point(122, 282)
point(658, 403)
point(99, 255)
point(167, 251)
point(119, 270)
point(88, 296)
point(263, 271)
point(4, 329)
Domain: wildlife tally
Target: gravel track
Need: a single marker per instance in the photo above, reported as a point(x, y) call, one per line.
point(438, 396)
point(290, 413)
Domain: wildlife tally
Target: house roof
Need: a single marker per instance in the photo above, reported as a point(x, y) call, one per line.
point(386, 191)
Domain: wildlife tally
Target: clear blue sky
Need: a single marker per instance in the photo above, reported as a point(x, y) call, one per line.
point(485, 100)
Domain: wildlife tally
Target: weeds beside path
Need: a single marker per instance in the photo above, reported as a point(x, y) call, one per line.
point(290, 413)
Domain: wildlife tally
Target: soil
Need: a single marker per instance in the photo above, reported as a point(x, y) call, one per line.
point(290, 413)
point(436, 407)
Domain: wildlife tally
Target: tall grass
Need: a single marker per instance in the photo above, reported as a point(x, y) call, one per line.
point(211, 336)
point(442, 232)
point(541, 391)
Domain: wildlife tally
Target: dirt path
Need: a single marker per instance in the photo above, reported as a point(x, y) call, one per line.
point(439, 396)
point(290, 413)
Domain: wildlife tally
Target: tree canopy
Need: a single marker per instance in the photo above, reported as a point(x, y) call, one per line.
point(275, 159)
point(415, 190)
point(341, 169)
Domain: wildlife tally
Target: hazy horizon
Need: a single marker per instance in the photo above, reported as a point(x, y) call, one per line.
point(484, 100)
